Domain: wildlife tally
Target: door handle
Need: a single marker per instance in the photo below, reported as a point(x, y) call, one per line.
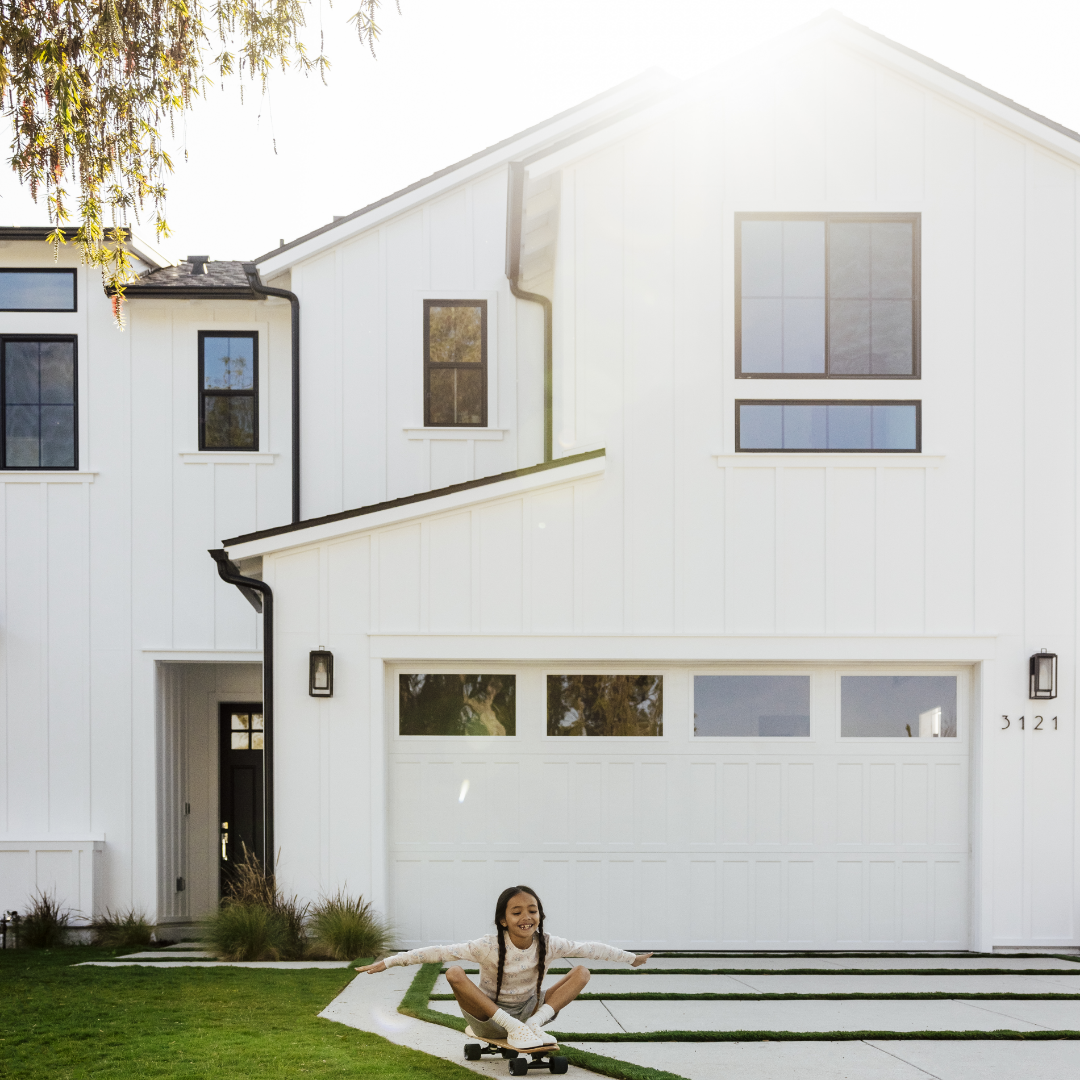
point(224, 841)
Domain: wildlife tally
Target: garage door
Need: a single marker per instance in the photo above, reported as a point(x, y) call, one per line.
point(678, 807)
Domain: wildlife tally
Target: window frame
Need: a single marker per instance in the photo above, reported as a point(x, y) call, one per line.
point(779, 669)
point(550, 741)
point(915, 220)
point(429, 303)
point(446, 742)
point(964, 695)
point(253, 392)
point(4, 339)
point(828, 401)
point(47, 270)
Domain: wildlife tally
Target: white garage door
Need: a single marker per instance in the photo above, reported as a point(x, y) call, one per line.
point(732, 807)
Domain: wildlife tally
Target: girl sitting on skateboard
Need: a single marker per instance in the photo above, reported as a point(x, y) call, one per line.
point(504, 1006)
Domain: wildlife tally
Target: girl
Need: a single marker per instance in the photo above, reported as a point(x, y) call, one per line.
point(504, 1007)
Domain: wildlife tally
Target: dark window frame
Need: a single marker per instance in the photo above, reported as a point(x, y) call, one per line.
point(47, 270)
point(916, 291)
point(739, 402)
point(4, 339)
point(429, 366)
point(252, 393)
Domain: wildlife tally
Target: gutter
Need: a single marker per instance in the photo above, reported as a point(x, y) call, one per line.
point(514, 211)
point(260, 289)
point(261, 597)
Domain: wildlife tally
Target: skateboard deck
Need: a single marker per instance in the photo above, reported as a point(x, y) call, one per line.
point(543, 1057)
point(547, 1048)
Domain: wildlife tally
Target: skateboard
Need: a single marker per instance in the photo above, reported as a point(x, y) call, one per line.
point(555, 1062)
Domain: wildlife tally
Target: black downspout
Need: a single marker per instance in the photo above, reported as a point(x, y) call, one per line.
point(265, 290)
point(261, 598)
point(514, 211)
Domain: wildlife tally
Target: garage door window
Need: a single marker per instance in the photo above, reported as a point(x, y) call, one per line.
point(904, 706)
point(605, 705)
point(457, 704)
point(752, 706)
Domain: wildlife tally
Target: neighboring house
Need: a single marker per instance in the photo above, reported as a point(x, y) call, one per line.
point(684, 487)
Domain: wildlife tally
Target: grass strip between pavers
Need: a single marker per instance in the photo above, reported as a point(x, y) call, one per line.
point(807, 1036)
point(1073, 958)
point(811, 971)
point(415, 1004)
point(939, 995)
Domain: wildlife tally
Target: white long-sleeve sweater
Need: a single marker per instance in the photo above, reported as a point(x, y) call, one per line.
point(519, 970)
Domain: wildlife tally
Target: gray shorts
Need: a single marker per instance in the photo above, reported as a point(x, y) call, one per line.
point(488, 1029)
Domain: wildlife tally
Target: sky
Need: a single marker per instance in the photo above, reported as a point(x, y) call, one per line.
point(453, 76)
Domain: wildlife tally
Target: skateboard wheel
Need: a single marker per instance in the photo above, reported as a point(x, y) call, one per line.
point(510, 1054)
point(472, 1051)
point(559, 1064)
point(519, 1067)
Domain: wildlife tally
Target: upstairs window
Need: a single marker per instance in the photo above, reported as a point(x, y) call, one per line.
point(846, 426)
point(827, 296)
point(228, 390)
point(455, 363)
point(39, 414)
point(37, 290)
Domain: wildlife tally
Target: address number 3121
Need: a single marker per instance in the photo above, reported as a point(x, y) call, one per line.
point(1037, 727)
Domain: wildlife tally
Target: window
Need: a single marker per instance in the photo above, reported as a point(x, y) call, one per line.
point(228, 390)
point(887, 426)
point(457, 705)
point(752, 705)
point(455, 363)
point(827, 296)
point(39, 414)
point(608, 705)
point(906, 706)
point(246, 731)
point(37, 290)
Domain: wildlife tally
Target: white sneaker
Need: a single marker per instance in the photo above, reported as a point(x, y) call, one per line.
point(541, 1033)
point(523, 1037)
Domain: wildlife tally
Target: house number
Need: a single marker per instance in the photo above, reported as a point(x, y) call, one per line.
point(1038, 726)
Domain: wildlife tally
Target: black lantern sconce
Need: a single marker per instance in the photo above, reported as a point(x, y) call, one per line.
point(1043, 676)
point(321, 673)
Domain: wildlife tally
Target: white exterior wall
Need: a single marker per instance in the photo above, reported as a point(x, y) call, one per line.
point(683, 551)
point(104, 570)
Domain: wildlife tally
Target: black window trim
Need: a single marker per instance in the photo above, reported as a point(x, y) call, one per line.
point(253, 392)
point(4, 339)
point(916, 291)
point(739, 402)
point(429, 303)
point(46, 270)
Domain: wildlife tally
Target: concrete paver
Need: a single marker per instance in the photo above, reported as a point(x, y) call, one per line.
point(874, 984)
point(867, 963)
point(280, 965)
point(592, 1016)
point(170, 954)
point(989, 1060)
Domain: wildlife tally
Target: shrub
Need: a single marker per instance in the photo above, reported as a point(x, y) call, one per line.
point(254, 921)
point(344, 927)
point(45, 925)
point(121, 930)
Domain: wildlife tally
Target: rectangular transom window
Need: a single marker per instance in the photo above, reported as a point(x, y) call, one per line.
point(752, 705)
point(904, 706)
point(39, 415)
point(609, 705)
point(228, 390)
point(845, 426)
point(827, 296)
point(457, 704)
point(455, 363)
point(37, 290)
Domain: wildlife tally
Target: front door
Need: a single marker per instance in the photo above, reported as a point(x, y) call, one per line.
point(241, 785)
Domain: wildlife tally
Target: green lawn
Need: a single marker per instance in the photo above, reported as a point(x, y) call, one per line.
point(62, 1022)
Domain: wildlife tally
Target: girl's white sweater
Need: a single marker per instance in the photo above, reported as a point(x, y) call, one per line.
point(519, 970)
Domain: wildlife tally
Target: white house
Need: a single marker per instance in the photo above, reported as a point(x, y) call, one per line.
point(662, 507)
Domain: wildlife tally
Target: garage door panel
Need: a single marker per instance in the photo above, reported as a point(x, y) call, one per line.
point(882, 902)
point(849, 902)
point(882, 803)
point(652, 802)
point(768, 902)
point(702, 903)
point(800, 803)
point(800, 903)
point(736, 798)
point(587, 801)
point(736, 901)
point(619, 803)
point(768, 804)
point(701, 820)
point(655, 911)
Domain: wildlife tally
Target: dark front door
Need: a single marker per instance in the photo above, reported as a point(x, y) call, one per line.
point(241, 774)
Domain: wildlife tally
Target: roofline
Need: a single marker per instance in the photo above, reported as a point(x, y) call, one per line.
point(25, 232)
point(645, 76)
point(407, 500)
point(186, 292)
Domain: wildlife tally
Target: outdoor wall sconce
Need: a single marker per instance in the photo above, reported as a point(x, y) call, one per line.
point(1043, 675)
point(321, 673)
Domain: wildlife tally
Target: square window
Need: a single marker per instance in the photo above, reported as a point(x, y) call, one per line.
point(827, 296)
point(457, 704)
point(605, 705)
point(228, 390)
point(39, 410)
point(455, 363)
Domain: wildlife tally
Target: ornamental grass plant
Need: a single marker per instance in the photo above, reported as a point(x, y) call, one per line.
point(45, 925)
point(122, 930)
point(344, 927)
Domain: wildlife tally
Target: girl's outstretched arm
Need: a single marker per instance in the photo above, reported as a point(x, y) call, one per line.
point(434, 954)
point(593, 950)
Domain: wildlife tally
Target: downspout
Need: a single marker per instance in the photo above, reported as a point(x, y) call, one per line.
point(265, 290)
point(261, 597)
point(515, 210)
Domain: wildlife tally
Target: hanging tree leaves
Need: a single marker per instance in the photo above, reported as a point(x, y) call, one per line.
point(92, 88)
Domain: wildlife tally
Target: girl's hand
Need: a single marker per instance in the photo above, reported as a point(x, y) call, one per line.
point(639, 960)
point(371, 969)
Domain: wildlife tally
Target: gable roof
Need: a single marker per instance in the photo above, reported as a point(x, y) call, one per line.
point(224, 280)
